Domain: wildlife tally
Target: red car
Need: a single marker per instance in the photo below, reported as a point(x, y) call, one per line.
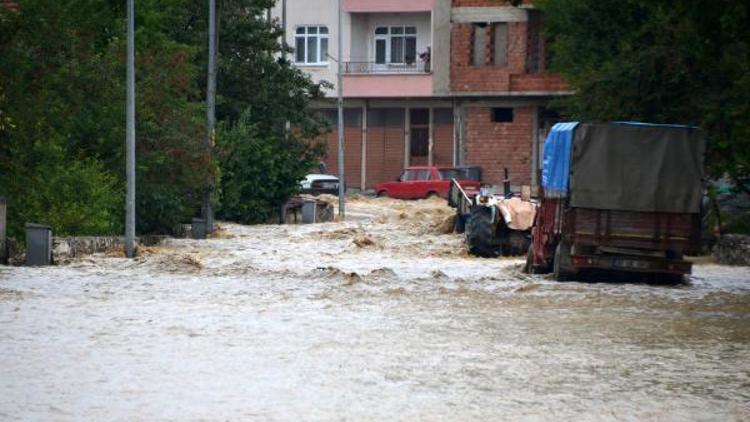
point(422, 182)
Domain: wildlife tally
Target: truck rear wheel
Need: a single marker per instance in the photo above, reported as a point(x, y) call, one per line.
point(480, 232)
point(561, 266)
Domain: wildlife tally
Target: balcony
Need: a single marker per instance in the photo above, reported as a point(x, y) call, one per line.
point(370, 67)
point(388, 50)
point(364, 81)
point(359, 6)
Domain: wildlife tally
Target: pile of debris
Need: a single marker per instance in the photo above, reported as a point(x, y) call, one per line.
point(306, 209)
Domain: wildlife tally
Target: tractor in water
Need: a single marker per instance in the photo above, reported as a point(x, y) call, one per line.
point(493, 224)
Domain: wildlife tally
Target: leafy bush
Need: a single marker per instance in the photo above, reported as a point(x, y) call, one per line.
point(259, 173)
point(63, 77)
point(73, 196)
point(62, 108)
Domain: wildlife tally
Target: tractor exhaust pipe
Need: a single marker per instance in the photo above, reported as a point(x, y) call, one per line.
point(506, 184)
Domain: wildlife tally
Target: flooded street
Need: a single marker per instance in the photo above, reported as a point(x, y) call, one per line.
point(380, 317)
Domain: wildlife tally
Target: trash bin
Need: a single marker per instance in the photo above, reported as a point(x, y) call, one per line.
point(38, 244)
point(309, 208)
point(199, 228)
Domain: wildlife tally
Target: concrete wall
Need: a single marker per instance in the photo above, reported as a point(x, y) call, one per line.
point(361, 37)
point(358, 32)
point(386, 5)
point(393, 85)
point(441, 47)
point(317, 12)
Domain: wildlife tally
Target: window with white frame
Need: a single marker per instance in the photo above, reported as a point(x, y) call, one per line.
point(311, 44)
point(395, 44)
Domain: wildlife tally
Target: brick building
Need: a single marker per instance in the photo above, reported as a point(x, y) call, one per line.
point(478, 99)
point(9, 5)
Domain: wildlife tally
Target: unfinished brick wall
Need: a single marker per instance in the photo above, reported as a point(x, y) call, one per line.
point(537, 82)
point(494, 146)
point(514, 75)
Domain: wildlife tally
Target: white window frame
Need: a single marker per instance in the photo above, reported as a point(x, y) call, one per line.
point(388, 37)
point(305, 37)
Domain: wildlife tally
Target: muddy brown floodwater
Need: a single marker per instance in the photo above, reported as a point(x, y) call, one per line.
point(380, 317)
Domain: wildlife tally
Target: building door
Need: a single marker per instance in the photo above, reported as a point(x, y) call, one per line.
point(419, 139)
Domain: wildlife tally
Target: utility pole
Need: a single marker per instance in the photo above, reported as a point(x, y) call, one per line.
point(283, 28)
point(210, 110)
point(130, 136)
point(340, 86)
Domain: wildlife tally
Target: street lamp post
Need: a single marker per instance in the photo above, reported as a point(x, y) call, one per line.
point(210, 109)
point(340, 86)
point(130, 136)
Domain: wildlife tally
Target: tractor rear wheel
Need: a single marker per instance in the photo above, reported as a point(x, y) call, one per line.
point(480, 233)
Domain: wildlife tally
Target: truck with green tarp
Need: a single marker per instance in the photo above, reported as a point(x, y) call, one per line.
point(621, 196)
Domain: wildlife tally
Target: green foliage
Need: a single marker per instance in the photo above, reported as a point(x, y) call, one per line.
point(53, 77)
point(259, 95)
point(62, 109)
point(660, 61)
point(258, 174)
point(74, 196)
point(63, 74)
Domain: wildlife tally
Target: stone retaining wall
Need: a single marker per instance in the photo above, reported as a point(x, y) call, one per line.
point(66, 248)
point(733, 249)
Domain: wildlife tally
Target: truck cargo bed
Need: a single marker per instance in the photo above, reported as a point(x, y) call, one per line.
point(631, 229)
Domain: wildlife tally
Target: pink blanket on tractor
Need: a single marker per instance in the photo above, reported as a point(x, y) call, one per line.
point(518, 214)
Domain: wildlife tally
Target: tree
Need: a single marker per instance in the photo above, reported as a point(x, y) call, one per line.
point(62, 126)
point(259, 173)
point(661, 61)
point(260, 95)
point(62, 74)
point(53, 76)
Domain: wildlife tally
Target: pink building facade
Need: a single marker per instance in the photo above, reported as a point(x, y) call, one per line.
point(443, 82)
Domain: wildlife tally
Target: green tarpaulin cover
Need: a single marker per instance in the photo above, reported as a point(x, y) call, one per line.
point(637, 167)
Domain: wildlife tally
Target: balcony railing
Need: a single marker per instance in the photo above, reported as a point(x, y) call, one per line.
point(367, 67)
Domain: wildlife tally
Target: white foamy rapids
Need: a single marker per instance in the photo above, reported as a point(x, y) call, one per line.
point(381, 317)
